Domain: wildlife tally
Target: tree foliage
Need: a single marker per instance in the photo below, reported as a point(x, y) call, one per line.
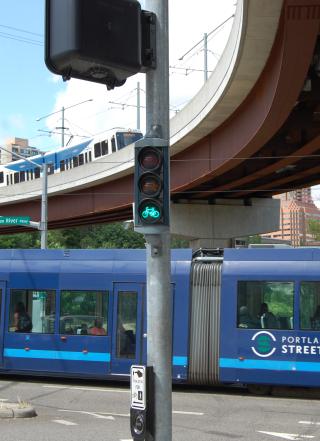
point(94, 236)
point(314, 228)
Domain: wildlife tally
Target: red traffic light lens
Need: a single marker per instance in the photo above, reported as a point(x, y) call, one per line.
point(150, 158)
point(150, 184)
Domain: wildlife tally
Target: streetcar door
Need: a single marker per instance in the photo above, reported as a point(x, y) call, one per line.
point(127, 327)
point(2, 318)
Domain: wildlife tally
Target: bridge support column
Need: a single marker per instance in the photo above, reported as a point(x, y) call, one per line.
point(216, 225)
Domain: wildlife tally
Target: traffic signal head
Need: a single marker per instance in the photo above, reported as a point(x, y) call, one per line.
point(103, 41)
point(151, 184)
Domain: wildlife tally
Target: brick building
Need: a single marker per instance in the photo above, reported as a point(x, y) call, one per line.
point(17, 145)
point(296, 208)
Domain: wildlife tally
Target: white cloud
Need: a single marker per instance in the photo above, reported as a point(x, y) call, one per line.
point(187, 27)
point(315, 191)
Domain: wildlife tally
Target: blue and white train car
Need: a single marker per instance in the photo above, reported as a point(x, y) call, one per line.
point(88, 311)
point(67, 158)
point(251, 316)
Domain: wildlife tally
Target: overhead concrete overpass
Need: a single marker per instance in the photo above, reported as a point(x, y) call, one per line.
point(251, 132)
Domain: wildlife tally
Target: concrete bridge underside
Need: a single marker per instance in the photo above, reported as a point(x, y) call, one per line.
point(253, 130)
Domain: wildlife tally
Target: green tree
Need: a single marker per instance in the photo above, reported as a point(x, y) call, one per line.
point(114, 235)
point(314, 228)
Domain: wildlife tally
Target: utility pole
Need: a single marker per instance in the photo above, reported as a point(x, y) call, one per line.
point(63, 127)
point(42, 226)
point(138, 105)
point(205, 51)
point(44, 208)
point(159, 298)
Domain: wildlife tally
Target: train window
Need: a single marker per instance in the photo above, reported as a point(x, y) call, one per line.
point(126, 138)
point(62, 165)
point(37, 173)
point(22, 176)
point(90, 157)
point(11, 179)
point(31, 174)
point(97, 150)
point(267, 305)
point(113, 144)
point(310, 305)
point(7, 179)
point(86, 157)
point(16, 178)
point(50, 169)
point(1, 178)
point(104, 147)
point(126, 324)
point(32, 311)
point(81, 161)
point(84, 312)
point(75, 160)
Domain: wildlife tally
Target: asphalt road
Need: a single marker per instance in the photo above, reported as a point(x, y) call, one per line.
point(90, 411)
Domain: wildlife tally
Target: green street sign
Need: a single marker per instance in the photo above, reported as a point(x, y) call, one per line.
point(14, 220)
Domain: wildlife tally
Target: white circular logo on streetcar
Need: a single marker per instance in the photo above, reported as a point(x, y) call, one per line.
point(263, 344)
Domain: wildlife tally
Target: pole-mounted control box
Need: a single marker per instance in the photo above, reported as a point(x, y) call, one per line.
point(142, 403)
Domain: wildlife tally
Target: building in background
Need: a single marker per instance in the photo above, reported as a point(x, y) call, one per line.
point(17, 145)
point(296, 209)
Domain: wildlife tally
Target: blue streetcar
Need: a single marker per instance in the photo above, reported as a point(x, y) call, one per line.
point(248, 317)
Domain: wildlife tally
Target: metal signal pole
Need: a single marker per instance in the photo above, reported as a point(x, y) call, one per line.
point(159, 299)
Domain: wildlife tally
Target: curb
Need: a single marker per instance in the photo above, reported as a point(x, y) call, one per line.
point(14, 410)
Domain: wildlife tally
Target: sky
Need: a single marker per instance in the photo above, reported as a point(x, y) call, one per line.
point(29, 91)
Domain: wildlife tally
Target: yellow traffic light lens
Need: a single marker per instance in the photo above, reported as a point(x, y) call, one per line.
point(150, 158)
point(150, 184)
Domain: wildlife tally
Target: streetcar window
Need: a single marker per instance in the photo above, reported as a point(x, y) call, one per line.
point(22, 176)
point(7, 179)
point(310, 305)
point(90, 157)
point(104, 147)
point(126, 324)
point(267, 305)
point(126, 138)
point(39, 305)
point(113, 144)
point(16, 178)
point(75, 161)
point(1, 178)
point(37, 173)
point(50, 169)
point(62, 165)
point(84, 312)
point(11, 179)
point(81, 160)
point(86, 157)
point(97, 150)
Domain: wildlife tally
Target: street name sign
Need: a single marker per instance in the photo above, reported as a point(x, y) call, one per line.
point(14, 220)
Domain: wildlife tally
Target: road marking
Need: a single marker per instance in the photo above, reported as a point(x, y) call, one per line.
point(96, 415)
point(126, 415)
point(94, 389)
point(65, 422)
point(290, 436)
point(309, 422)
point(188, 413)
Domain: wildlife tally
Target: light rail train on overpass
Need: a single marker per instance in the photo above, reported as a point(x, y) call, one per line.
point(248, 317)
point(67, 158)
